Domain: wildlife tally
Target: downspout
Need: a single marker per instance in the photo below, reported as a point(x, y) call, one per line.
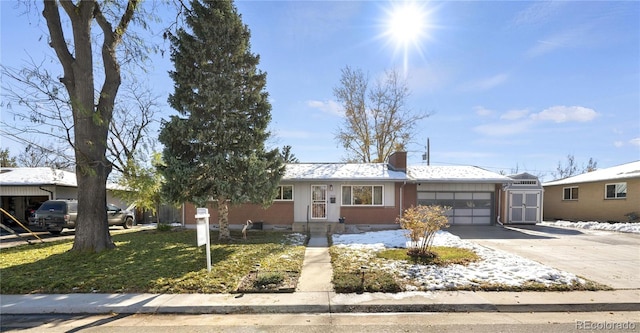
point(50, 192)
point(401, 197)
point(499, 207)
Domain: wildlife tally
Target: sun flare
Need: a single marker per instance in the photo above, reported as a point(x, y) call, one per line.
point(406, 26)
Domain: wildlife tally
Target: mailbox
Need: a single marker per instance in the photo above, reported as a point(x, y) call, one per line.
point(202, 225)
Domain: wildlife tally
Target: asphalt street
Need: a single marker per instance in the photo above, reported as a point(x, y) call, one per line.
point(313, 323)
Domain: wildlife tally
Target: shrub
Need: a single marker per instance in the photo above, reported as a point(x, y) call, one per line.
point(267, 278)
point(422, 224)
point(164, 227)
point(370, 281)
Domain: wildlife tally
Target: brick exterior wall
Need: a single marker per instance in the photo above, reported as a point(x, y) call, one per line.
point(279, 213)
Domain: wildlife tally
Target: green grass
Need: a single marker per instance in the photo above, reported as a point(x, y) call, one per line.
point(145, 262)
point(444, 256)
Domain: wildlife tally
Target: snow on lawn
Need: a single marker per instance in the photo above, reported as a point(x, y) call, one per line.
point(621, 227)
point(495, 266)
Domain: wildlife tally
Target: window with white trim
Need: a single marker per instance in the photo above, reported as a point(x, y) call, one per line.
point(285, 193)
point(362, 195)
point(570, 193)
point(615, 191)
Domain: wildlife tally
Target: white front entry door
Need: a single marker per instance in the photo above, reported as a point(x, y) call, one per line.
point(318, 202)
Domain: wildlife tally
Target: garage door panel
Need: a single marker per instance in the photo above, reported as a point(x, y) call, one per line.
point(463, 220)
point(467, 207)
point(484, 220)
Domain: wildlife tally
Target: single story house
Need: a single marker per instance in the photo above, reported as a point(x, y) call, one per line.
point(25, 189)
point(339, 196)
point(606, 195)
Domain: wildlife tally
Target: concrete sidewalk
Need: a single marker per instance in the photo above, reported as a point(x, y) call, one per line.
point(314, 294)
point(323, 302)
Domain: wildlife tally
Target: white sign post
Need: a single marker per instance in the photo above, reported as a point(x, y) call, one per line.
point(202, 219)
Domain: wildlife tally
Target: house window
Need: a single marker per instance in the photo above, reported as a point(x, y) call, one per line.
point(285, 193)
point(362, 195)
point(570, 193)
point(615, 191)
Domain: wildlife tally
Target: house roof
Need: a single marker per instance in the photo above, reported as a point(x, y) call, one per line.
point(41, 176)
point(37, 176)
point(455, 174)
point(619, 172)
point(342, 171)
point(523, 175)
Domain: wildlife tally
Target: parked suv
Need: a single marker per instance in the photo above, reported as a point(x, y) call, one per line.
point(55, 215)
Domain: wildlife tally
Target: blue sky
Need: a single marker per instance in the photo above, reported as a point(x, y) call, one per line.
point(509, 84)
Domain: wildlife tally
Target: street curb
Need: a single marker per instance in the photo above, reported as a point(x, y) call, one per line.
point(308, 302)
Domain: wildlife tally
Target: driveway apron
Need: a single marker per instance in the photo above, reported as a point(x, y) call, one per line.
point(610, 258)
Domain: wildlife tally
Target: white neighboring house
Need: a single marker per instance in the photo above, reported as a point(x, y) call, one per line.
point(25, 189)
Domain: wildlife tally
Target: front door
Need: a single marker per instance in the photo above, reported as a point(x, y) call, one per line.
point(525, 207)
point(318, 201)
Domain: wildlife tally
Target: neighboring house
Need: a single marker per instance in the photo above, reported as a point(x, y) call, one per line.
point(607, 195)
point(24, 189)
point(369, 195)
point(523, 200)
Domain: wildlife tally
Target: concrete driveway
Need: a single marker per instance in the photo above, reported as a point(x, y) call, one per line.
point(610, 258)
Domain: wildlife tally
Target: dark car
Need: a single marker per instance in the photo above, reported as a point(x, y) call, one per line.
point(55, 215)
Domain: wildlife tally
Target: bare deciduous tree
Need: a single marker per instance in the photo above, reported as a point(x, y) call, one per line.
point(39, 155)
point(377, 120)
point(571, 168)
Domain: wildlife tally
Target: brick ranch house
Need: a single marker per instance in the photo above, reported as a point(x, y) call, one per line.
point(339, 197)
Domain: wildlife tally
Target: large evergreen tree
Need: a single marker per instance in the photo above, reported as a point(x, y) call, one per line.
point(215, 148)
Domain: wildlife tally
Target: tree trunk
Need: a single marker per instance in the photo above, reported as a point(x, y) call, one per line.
point(91, 122)
point(92, 229)
point(223, 220)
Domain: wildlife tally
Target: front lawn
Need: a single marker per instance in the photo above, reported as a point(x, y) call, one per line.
point(148, 262)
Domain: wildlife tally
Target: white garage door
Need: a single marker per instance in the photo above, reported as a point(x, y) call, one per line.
point(466, 207)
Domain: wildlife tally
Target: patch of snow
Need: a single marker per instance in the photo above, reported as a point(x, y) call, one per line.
point(340, 171)
point(494, 267)
point(295, 239)
point(620, 227)
point(432, 173)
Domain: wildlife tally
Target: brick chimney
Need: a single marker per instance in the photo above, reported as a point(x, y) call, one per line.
point(398, 161)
